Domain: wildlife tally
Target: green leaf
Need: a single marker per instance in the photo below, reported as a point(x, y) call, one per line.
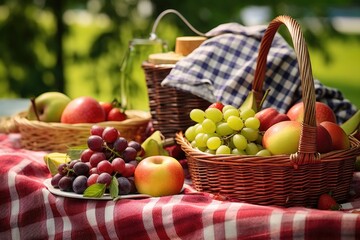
point(114, 187)
point(96, 190)
point(75, 152)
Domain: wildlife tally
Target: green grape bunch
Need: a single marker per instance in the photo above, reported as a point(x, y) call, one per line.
point(226, 131)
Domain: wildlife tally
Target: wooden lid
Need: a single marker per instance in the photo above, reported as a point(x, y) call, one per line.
point(186, 44)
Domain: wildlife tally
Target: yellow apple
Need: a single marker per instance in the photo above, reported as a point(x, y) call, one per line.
point(282, 137)
point(159, 176)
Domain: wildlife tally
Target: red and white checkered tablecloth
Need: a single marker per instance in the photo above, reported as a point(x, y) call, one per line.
point(29, 211)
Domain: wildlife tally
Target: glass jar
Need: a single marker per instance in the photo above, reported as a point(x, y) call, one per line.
point(134, 93)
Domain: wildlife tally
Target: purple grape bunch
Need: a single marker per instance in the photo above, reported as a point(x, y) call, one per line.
point(108, 155)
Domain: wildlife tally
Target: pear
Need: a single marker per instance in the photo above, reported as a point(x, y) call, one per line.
point(249, 103)
point(352, 124)
point(252, 103)
point(54, 159)
point(153, 145)
point(151, 148)
point(157, 136)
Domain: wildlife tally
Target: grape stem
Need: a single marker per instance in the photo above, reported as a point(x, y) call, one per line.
point(112, 151)
point(69, 171)
point(228, 138)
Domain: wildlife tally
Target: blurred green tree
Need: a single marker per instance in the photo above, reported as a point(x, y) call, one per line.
point(32, 54)
point(31, 50)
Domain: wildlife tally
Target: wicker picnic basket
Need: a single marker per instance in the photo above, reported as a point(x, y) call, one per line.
point(282, 180)
point(43, 136)
point(169, 106)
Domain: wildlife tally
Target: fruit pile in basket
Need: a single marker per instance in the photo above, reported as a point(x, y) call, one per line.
point(112, 164)
point(245, 131)
point(55, 122)
point(58, 107)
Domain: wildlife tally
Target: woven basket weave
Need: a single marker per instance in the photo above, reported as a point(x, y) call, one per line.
point(169, 107)
point(282, 180)
point(43, 136)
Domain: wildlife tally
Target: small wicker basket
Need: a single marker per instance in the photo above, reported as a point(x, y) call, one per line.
point(43, 136)
point(282, 180)
point(169, 107)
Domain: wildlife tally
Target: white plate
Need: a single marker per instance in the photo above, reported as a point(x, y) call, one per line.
point(106, 196)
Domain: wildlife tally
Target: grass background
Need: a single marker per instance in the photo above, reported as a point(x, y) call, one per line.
point(343, 72)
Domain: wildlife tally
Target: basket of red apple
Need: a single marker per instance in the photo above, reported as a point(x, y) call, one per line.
point(261, 156)
point(55, 122)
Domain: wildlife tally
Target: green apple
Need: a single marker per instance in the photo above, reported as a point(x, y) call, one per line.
point(49, 107)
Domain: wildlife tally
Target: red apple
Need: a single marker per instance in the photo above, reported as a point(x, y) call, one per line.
point(282, 137)
point(323, 113)
point(159, 176)
point(107, 106)
point(323, 140)
point(357, 134)
point(83, 110)
point(270, 116)
point(116, 114)
point(339, 138)
point(217, 105)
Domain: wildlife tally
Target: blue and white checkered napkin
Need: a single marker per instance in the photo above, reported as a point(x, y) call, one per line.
point(222, 69)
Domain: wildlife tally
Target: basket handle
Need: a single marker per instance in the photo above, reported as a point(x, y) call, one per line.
point(307, 152)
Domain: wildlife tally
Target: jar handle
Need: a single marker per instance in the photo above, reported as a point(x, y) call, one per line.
point(161, 15)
